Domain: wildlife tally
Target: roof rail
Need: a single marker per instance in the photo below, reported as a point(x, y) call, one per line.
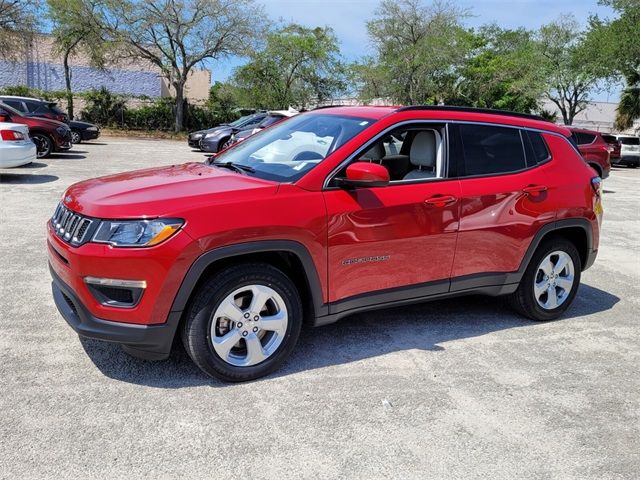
point(490, 111)
point(332, 106)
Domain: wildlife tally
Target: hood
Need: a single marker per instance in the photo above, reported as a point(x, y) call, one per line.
point(164, 191)
point(80, 124)
point(216, 129)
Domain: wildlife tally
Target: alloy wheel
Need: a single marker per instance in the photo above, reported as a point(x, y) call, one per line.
point(249, 325)
point(554, 280)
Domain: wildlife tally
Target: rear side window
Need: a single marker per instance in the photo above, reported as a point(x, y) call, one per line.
point(488, 149)
point(609, 139)
point(536, 147)
point(17, 104)
point(584, 138)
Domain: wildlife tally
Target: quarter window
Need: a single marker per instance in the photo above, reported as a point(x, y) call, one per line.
point(488, 149)
point(584, 138)
point(538, 151)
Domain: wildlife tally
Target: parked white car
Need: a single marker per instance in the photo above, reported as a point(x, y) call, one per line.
point(16, 148)
point(629, 151)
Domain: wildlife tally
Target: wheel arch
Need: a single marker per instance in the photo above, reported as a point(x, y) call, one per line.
point(291, 257)
point(576, 230)
point(596, 166)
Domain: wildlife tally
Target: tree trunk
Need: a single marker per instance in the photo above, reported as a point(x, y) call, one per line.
point(67, 81)
point(179, 86)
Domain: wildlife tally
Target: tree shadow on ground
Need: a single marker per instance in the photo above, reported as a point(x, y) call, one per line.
point(424, 326)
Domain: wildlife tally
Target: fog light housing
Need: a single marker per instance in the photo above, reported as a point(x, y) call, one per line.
point(116, 293)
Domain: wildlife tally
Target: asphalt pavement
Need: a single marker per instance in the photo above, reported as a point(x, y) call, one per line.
point(462, 388)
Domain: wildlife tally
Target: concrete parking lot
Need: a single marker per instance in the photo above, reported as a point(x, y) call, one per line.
point(452, 389)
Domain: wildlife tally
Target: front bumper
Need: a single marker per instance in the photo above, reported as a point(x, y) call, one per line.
point(90, 134)
point(150, 342)
point(209, 146)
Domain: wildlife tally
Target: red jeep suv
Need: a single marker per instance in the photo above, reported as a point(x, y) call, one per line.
point(595, 150)
point(331, 212)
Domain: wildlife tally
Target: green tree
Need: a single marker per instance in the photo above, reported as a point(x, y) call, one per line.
point(569, 66)
point(73, 31)
point(503, 72)
point(614, 43)
point(297, 66)
point(18, 21)
point(419, 51)
point(178, 35)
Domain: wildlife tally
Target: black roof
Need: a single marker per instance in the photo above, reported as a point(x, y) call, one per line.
point(490, 111)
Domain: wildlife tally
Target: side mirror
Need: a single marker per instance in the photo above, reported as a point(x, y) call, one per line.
point(365, 174)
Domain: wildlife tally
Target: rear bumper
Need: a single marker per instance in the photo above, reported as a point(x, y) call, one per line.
point(150, 342)
point(17, 154)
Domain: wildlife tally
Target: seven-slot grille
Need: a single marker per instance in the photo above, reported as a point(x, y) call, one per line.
point(70, 226)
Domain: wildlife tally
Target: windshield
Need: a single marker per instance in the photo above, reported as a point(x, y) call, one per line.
point(241, 121)
point(285, 152)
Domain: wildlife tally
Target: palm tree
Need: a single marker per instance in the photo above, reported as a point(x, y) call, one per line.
point(629, 107)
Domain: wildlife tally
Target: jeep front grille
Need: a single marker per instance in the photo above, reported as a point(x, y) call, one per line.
point(71, 227)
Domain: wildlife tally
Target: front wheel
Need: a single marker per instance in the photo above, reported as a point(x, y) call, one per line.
point(550, 282)
point(76, 137)
point(243, 322)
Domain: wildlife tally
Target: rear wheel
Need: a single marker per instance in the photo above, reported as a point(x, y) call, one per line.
point(44, 144)
point(243, 322)
point(550, 282)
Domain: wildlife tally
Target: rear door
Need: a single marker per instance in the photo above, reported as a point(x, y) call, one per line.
point(503, 198)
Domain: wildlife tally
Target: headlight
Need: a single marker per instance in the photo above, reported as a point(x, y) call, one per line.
point(209, 135)
point(136, 233)
point(62, 130)
point(92, 129)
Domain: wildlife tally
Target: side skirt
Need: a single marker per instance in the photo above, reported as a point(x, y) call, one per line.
point(495, 284)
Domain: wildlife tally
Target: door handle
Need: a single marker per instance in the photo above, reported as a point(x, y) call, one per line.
point(440, 200)
point(534, 189)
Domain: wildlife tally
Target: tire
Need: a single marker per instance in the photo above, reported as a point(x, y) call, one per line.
point(597, 168)
point(44, 144)
point(76, 137)
point(528, 301)
point(224, 143)
point(231, 290)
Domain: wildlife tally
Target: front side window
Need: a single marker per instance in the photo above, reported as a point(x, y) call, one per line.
point(490, 150)
point(410, 153)
point(290, 149)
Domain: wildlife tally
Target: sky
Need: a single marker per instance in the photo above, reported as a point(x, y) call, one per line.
point(348, 19)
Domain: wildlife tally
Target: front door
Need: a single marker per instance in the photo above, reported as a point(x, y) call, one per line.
point(396, 241)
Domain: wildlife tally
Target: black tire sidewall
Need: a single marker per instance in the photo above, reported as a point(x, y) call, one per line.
point(47, 141)
point(531, 304)
point(197, 331)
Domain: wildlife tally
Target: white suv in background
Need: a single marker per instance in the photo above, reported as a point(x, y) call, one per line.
point(16, 148)
point(629, 151)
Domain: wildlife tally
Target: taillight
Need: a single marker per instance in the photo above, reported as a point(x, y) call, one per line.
point(596, 184)
point(11, 135)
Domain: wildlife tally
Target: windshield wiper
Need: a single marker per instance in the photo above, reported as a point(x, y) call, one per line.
point(237, 167)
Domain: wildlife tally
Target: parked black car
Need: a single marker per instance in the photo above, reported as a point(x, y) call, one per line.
point(82, 131)
point(35, 107)
point(215, 139)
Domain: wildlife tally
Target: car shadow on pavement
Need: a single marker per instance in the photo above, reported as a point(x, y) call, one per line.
point(68, 156)
point(425, 326)
point(26, 178)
